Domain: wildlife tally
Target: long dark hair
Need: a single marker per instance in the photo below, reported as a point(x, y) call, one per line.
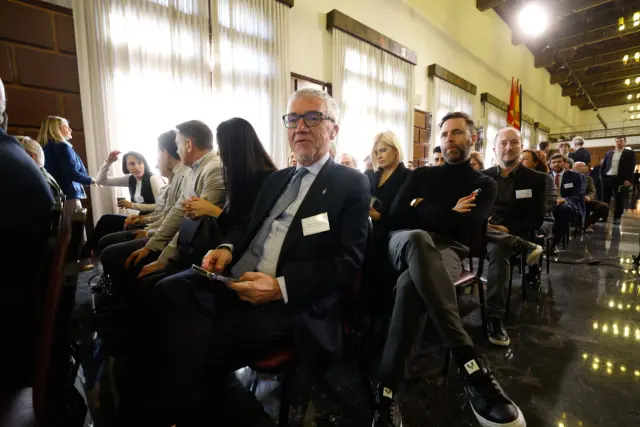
point(242, 155)
point(541, 166)
point(140, 157)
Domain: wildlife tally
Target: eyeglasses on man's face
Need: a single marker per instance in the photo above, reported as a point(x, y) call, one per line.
point(310, 118)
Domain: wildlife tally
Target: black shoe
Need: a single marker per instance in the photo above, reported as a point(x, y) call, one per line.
point(498, 333)
point(387, 412)
point(490, 404)
point(616, 221)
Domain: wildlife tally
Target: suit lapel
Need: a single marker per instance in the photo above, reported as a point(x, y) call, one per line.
point(310, 205)
point(270, 200)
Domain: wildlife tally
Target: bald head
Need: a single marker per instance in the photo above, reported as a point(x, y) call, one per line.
point(580, 167)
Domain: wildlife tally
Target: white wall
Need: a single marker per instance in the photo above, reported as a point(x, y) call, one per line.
point(452, 33)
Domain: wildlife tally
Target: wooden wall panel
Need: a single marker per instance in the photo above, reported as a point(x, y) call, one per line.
point(421, 135)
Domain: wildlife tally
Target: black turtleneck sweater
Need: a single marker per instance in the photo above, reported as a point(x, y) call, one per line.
point(441, 187)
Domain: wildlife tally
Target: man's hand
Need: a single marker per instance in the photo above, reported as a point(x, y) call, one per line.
point(150, 268)
point(257, 288)
point(561, 201)
point(140, 234)
point(627, 183)
point(465, 204)
point(587, 199)
point(113, 156)
point(137, 256)
point(499, 228)
point(125, 204)
point(217, 259)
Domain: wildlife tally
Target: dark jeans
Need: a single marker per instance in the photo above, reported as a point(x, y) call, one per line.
point(500, 247)
point(107, 224)
point(610, 185)
point(114, 256)
point(114, 238)
point(430, 264)
point(564, 216)
point(596, 210)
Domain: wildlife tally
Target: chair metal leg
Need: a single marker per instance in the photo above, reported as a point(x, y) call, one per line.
point(548, 254)
point(285, 386)
point(524, 276)
point(254, 382)
point(509, 291)
point(483, 309)
point(447, 361)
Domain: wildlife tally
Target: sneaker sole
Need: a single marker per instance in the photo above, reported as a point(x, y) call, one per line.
point(499, 342)
point(519, 422)
point(534, 256)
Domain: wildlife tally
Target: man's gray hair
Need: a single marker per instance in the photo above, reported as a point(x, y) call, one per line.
point(578, 140)
point(3, 101)
point(33, 148)
point(331, 105)
point(495, 139)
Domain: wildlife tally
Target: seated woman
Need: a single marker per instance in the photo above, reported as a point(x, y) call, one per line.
point(537, 160)
point(144, 188)
point(476, 161)
point(386, 157)
point(34, 150)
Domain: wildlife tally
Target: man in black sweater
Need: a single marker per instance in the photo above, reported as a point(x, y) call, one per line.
point(434, 216)
point(518, 212)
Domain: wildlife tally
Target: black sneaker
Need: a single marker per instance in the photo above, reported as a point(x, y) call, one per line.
point(490, 404)
point(498, 333)
point(387, 412)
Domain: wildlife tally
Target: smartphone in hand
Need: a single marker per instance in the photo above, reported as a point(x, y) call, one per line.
point(213, 276)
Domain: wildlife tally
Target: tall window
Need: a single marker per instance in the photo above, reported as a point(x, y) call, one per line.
point(527, 135)
point(251, 69)
point(496, 119)
point(446, 98)
point(542, 135)
point(374, 90)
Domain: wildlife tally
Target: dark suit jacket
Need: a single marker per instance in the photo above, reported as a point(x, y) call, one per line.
point(526, 213)
point(64, 164)
point(573, 188)
point(318, 269)
point(581, 155)
point(625, 167)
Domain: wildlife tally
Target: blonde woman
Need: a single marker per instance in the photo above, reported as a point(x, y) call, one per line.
point(476, 161)
point(62, 162)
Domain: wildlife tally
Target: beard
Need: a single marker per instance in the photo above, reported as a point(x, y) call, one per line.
point(509, 163)
point(460, 156)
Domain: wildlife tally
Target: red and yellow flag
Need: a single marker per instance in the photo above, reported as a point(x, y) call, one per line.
point(514, 115)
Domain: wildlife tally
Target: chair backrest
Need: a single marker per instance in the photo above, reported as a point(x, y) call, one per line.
point(57, 212)
point(478, 247)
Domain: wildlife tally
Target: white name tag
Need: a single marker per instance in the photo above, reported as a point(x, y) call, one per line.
point(568, 185)
point(524, 194)
point(315, 224)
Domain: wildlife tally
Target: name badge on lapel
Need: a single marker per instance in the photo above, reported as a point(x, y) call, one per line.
point(568, 185)
point(315, 224)
point(524, 194)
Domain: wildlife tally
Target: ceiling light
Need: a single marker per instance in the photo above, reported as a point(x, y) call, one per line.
point(621, 24)
point(625, 58)
point(637, 56)
point(630, 109)
point(629, 96)
point(533, 19)
point(627, 82)
point(637, 80)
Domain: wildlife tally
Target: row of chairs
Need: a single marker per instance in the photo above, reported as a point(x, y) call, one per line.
point(50, 398)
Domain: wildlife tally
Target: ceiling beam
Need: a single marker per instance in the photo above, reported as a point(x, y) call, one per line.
point(552, 57)
point(606, 101)
point(585, 79)
point(483, 5)
point(594, 91)
point(593, 36)
point(606, 97)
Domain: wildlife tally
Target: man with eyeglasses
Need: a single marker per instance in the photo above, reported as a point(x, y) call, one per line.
point(302, 250)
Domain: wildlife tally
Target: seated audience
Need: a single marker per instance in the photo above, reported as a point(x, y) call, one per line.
point(303, 247)
point(564, 148)
point(292, 159)
point(391, 174)
point(116, 250)
point(476, 161)
point(411, 166)
point(595, 209)
point(435, 214)
point(571, 191)
point(597, 182)
point(518, 213)
point(545, 147)
point(63, 163)
point(438, 158)
point(368, 168)
point(348, 160)
point(537, 161)
point(34, 150)
point(205, 180)
point(25, 221)
point(144, 188)
point(580, 154)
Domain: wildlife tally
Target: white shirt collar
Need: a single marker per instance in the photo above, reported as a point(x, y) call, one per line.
point(196, 165)
point(315, 168)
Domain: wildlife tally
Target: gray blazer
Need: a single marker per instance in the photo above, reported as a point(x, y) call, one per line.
point(206, 182)
point(171, 196)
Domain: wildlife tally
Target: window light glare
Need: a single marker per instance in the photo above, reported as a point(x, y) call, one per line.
point(533, 19)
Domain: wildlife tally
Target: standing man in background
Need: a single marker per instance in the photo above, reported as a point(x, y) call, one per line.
point(616, 172)
point(580, 154)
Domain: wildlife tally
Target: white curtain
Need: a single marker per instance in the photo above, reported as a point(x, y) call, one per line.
point(374, 90)
point(542, 135)
point(446, 98)
point(527, 135)
point(251, 78)
point(144, 67)
point(495, 119)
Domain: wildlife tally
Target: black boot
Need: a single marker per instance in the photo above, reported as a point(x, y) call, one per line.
point(387, 412)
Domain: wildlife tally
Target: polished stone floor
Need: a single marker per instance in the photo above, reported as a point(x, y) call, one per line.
point(573, 360)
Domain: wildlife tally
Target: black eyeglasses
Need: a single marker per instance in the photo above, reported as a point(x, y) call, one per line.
point(311, 119)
